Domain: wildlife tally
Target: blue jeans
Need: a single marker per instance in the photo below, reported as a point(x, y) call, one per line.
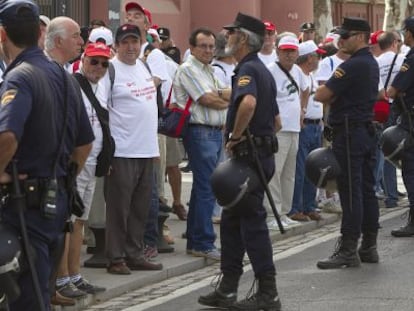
point(203, 145)
point(310, 138)
point(390, 184)
point(151, 226)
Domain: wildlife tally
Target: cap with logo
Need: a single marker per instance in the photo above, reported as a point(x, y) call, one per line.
point(269, 26)
point(309, 47)
point(353, 24)
point(97, 49)
point(307, 26)
point(127, 30)
point(10, 12)
point(288, 43)
point(164, 33)
point(101, 34)
point(247, 22)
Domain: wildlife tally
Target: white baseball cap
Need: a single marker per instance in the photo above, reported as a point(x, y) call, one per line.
point(309, 47)
point(45, 20)
point(288, 42)
point(101, 33)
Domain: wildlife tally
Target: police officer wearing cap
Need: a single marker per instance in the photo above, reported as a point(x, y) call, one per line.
point(43, 126)
point(351, 92)
point(402, 91)
point(243, 227)
point(307, 32)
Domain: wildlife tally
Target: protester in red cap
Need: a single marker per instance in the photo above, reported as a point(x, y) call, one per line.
point(373, 43)
point(268, 53)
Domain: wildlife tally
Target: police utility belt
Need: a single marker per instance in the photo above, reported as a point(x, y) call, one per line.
point(265, 146)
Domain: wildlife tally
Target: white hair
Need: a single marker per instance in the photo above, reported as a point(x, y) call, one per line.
point(56, 28)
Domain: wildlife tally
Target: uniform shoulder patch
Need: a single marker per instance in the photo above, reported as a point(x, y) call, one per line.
point(8, 96)
point(244, 80)
point(339, 73)
point(404, 67)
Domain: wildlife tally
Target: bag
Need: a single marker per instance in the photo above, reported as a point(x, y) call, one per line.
point(173, 122)
point(105, 156)
point(381, 111)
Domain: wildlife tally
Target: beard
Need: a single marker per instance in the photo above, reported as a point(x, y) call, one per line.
point(231, 50)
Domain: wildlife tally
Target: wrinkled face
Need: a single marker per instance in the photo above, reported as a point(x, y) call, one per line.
point(204, 48)
point(233, 43)
point(287, 57)
point(71, 43)
point(128, 50)
point(137, 18)
point(94, 67)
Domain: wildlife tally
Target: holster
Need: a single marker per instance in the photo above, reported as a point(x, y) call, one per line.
point(265, 146)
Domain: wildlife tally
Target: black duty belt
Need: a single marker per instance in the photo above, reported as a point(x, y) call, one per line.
point(213, 127)
point(311, 121)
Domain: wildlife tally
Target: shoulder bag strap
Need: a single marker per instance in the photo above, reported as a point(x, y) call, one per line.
point(390, 71)
point(289, 76)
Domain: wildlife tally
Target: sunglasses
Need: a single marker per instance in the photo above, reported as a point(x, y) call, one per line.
point(95, 62)
point(348, 35)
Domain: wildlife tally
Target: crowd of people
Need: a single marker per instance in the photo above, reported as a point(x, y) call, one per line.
point(287, 90)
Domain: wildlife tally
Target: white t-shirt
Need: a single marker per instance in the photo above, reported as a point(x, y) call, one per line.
point(133, 114)
point(267, 59)
point(167, 85)
point(326, 67)
point(223, 71)
point(384, 63)
point(314, 109)
point(288, 97)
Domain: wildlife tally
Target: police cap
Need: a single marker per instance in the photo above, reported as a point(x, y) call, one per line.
point(10, 12)
point(353, 24)
point(164, 33)
point(409, 24)
point(248, 22)
point(307, 26)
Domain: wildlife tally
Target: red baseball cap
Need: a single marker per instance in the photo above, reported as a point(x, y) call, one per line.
point(269, 26)
point(133, 5)
point(373, 39)
point(98, 49)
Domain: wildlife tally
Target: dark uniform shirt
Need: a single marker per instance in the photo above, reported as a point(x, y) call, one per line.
point(404, 80)
point(355, 85)
point(174, 53)
point(38, 125)
point(252, 77)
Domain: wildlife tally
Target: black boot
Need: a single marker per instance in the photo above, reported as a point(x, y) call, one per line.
point(368, 250)
point(224, 294)
point(266, 297)
point(408, 229)
point(345, 255)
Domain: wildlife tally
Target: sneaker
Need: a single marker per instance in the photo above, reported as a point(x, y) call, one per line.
point(150, 252)
point(70, 290)
point(289, 221)
point(272, 225)
point(330, 206)
point(380, 195)
point(213, 254)
point(84, 285)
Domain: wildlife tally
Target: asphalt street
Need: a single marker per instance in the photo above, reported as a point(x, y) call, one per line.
point(387, 286)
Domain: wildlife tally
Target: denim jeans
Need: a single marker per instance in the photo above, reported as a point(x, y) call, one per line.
point(310, 138)
point(203, 145)
point(151, 226)
point(390, 184)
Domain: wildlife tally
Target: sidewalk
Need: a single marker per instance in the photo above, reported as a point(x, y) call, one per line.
point(178, 262)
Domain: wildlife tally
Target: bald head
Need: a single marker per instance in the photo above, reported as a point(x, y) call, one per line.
point(63, 40)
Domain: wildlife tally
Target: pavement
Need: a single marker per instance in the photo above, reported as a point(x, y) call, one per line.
point(179, 263)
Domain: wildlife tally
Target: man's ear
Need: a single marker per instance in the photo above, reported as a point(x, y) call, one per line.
point(3, 34)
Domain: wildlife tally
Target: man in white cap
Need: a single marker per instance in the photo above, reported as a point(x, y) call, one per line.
point(292, 98)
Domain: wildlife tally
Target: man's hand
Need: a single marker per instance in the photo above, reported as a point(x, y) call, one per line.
point(6, 178)
point(231, 143)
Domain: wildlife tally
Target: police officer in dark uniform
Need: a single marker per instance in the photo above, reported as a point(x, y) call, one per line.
point(402, 91)
point(351, 93)
point(43, 126)
point(243, 227)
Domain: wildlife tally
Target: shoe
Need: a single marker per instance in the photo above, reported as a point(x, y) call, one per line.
point(406, 231)
point(331, 206)
point(299, 217)
point(217, 299)
point(186, 169)
point(216, 220)
point(180, 211)
point(380, 195)
point(391, 204)
point(314, 216)
point(290, 221)
point(401, 194)
point(59, 300)
point(142, 264)
point(213, 254)
point(150, 252)
point(344, 256)
point(83, 285)
point(163, 207)
point(272, 225)
point(69, 290)
point(118, 268)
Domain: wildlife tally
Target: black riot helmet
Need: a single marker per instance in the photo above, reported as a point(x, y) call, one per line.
point(232, 180)
point(10, 258)
point(393, 141)
point(321, 166)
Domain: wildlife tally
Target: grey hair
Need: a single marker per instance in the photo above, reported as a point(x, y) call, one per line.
point(56, 28)
point(254, 40)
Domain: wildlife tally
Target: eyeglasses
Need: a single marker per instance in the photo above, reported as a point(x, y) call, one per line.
point(206, 46)
point(95, 62)
point(348, 35)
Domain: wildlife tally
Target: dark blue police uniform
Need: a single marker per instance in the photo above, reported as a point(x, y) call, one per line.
point(34, 112)
point(244, 228)
point(404, 83)
point(355, 86)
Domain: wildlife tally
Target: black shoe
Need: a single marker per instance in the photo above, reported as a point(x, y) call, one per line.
point(406, 231)
point(163, 207)
point(344, 256)
point(186, 169)
point(217, 299)
point(258, 302)
point(69, 290)
point(87, 287)
point(368, 252)
point(401, 194)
